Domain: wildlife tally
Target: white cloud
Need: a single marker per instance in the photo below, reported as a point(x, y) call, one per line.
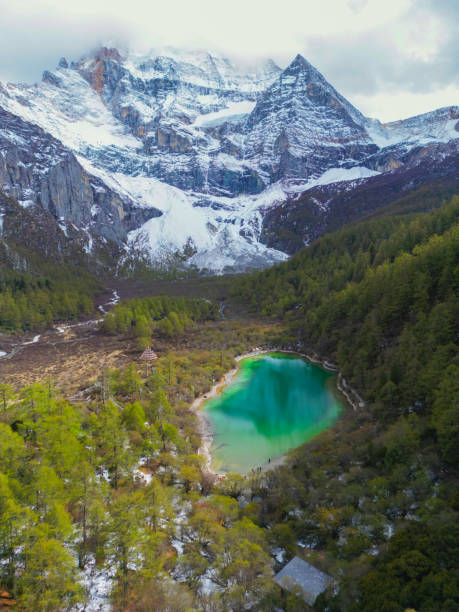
point(373, 52)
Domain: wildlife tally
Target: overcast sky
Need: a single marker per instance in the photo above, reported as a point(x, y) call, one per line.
point(390, 58)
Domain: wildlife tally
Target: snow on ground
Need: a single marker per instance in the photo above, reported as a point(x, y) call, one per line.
point(142, 476)
point(26, 203)
point(233, 112)
point(389, 530)
point(217, 233)
point(336, 175)
point(208, 585)
point(236, 254)
point(112, 302)
point(60, 329)
point(279, 554)
point(178, 545)
point(98, 583)
point(63, 226)
point(224, 231)
point(213, 229)
point(114, 299)
point(34, 340)
point(89, 245)
point(435, 126)
point(74, 113)
point(12, 137)
point(104, 473)
point(202, 68)
point(179, 221)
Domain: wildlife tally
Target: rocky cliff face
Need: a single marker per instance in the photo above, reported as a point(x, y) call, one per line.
point(185, 153)
point(36, 169)
point(32, 237)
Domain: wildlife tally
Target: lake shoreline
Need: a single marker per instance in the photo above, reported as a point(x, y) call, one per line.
point(205, 429)
point(204, 425)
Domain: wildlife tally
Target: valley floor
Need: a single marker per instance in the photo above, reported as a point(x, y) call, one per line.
point(77, 351)
point(350, 501)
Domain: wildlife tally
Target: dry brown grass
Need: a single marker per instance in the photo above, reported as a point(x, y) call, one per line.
point(70, 360)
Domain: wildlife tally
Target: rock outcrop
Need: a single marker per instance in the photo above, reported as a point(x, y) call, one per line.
point(36, 169)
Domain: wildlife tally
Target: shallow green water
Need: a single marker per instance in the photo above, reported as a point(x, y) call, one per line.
point(275, 403)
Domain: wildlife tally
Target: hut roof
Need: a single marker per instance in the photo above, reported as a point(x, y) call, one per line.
point(149, 355)
point(300, 574)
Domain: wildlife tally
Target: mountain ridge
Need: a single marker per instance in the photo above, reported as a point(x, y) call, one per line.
point(192, 154)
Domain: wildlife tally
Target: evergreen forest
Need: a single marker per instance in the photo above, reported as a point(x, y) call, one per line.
point(104, 490)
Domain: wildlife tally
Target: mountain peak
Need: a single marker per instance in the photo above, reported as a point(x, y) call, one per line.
point(209, 141)
point(300, 62)
point(106, 52)
point(301, 66)
point(301, 59)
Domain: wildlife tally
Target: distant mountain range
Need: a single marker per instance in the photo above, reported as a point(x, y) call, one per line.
point(185, 157)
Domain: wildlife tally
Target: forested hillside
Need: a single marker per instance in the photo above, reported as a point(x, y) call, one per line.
point(34, 302)
point(380, 299)
point(166, 315)
point(105, 496)
point(45, 274)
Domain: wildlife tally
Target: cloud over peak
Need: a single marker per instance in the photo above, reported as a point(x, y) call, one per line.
point(405, 51)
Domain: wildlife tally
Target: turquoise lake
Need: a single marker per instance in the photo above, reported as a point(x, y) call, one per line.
point(275, 402)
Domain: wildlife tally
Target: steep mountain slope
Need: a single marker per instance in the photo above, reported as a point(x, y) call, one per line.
point(35, 168)
point(300, 121)
point(47, 272)
point(324, 208)
point(377, 495)
point(184, 156)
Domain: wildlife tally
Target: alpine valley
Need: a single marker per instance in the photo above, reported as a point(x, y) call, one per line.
point(186, 158)
point(180, 429)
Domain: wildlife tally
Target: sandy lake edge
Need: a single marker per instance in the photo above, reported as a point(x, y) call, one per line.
point(204, 426)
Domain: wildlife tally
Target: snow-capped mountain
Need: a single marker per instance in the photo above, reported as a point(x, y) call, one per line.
point(184, 154)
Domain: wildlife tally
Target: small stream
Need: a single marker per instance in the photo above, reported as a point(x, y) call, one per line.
point(60, 329)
